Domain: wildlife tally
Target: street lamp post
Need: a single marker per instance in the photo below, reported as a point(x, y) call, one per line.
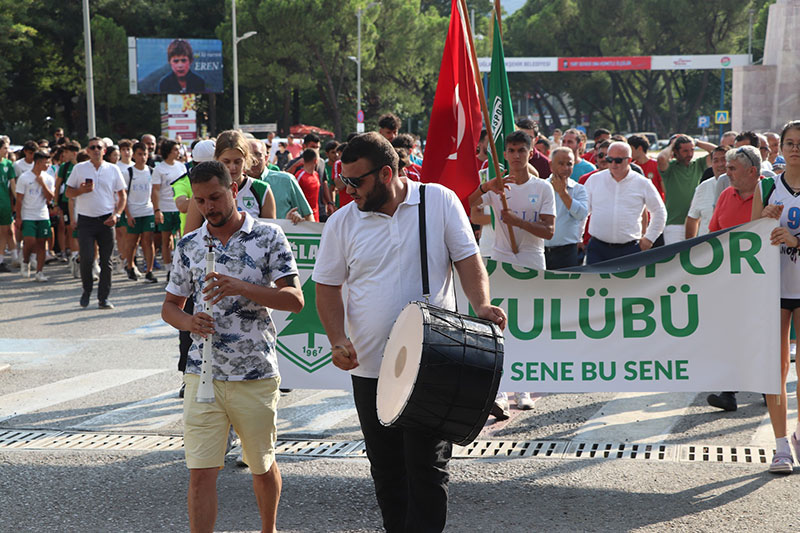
point(236, 39)
point(360, 125)
point(87, 38)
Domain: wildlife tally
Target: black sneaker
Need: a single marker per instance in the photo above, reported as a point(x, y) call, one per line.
point(105, 304)
point(182, 391)
point(723, 400)
point(150, 277)
point(85, 299)
point(132, 274)
point(4, 268)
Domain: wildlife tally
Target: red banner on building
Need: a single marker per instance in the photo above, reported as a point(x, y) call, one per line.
point(604, 63)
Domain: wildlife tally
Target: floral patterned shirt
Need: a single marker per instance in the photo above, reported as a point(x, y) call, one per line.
point(244, 335)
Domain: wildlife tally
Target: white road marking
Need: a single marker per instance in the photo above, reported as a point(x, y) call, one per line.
point(316, 414)
point(637, 417)
point(159, 327)
point(149, 414)
point(34, 399)
point(763, 436)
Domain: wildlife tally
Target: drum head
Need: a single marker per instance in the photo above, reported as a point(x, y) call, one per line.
point(400, 365)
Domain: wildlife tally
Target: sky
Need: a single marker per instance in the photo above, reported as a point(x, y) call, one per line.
point(511, 5)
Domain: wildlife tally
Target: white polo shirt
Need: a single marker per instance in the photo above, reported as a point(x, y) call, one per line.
point(617, 207)
point(378, 257)
point(107, 182)
point(164, 175)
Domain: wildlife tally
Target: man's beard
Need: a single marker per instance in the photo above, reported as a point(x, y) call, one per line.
point(225, 219)
point(376, 198)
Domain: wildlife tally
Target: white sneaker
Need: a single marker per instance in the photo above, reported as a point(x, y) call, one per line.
point(25, 269)
point(40, 277)
point(75, 267)
point(524, 401)
point(95, 271)
point(500, 409)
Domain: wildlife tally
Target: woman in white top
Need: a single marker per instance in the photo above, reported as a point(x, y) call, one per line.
point(782, 201)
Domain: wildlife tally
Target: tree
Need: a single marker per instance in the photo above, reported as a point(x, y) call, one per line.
point(306, 321)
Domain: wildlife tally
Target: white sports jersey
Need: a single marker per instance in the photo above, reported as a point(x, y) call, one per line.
point(790, 218)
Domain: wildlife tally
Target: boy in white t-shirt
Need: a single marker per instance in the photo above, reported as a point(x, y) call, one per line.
point(35, 190)
point(531, 213)
point(140, 221)
point(167, 216)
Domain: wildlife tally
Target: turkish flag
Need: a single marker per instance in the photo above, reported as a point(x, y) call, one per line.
point(455, 123)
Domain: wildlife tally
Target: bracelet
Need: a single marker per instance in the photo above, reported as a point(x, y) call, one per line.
point(157, 211)
point(480, 187)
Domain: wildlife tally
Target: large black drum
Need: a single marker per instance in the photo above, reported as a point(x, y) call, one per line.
point(440, 373)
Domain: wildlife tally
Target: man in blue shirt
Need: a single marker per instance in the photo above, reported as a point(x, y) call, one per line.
point(572, 208)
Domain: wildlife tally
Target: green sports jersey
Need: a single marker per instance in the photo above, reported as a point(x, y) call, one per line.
point(287, 193)
point(63, 172)
point(680, 182)
point(182, 187)
point(250, 197)
point(6, 175)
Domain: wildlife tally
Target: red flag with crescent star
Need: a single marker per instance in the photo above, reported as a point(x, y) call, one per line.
point(455, 123)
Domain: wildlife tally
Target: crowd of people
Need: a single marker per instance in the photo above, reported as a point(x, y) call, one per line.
point(555, 205)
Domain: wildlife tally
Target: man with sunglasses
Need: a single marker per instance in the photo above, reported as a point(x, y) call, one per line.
point(681, 174)
point(372, 244)
point(99, 192)
point(617, 198)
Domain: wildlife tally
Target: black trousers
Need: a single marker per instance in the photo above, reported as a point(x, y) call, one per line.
point(92, 230)
point(409, 468)
point(185, 337)
point(598, 251)
point(556, 257)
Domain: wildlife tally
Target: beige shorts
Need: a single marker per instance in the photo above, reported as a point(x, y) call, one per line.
point(250, 406)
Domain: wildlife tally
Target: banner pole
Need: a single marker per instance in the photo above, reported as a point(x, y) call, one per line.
point(487, 121)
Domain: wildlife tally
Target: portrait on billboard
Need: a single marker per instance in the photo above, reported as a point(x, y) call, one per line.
point(179, 66)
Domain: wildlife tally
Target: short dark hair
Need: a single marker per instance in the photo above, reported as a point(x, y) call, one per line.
point(720, 149)
point(139, 145)
point(73, 146)
point(374, 147)
point(39, 155)
point(96, 138)
point(403, 159)
point(682, 139)
point(599, 132)
point(483, 135)
point(207, 170)
point(125, 143)
point(166, 147)
point(3, 142)
point(30, 146)
point(528, 124)
point(309, 155)
point(519, 137)
point(604, 143)
point(639, 141)
point(179, 47)
point(331, 145)
point(341, 147)
point(404, 140)
point(544, 142)
point(390, 121)
point(311, 138)
point(749, 136)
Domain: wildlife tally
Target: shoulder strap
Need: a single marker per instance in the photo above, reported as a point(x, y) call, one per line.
point(423, 244)
point(130, 178)
point(767, 188)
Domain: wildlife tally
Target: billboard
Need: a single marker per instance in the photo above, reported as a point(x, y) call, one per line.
point(175, 66)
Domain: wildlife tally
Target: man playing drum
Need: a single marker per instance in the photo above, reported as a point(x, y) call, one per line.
point(373, 245)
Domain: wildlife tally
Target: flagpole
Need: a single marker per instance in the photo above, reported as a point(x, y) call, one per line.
point(497, 14)
point(486, 120)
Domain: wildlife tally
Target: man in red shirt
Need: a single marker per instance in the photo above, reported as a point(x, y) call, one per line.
point(600, 135)
point(639, 145)
point(308, 179)
point(735, 204)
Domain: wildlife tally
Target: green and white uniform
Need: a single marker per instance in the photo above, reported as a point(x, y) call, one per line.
point(250, 197)
point(6, 175)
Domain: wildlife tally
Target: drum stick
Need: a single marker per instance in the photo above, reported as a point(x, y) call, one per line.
point(205, 391)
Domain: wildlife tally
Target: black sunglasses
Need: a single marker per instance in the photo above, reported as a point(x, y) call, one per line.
point(600, 156)
point(356, 182)
point(617, 160)
point(94, 147)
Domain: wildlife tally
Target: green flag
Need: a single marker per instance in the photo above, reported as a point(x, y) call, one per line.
point(501, 111)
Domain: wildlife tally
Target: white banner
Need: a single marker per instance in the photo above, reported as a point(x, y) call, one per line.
point(522, 64)
point(696, 316)
point(699, 62)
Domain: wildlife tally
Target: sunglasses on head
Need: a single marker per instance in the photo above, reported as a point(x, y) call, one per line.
point(617, 160)
point(357, 181)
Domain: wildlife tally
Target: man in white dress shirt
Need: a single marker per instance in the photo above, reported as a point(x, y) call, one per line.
point(99, 192)
point(617, 198)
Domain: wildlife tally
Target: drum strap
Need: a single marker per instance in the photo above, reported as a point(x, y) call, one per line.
point(423, 245)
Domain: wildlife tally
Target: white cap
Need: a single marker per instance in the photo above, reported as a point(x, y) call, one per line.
point(204, 151)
